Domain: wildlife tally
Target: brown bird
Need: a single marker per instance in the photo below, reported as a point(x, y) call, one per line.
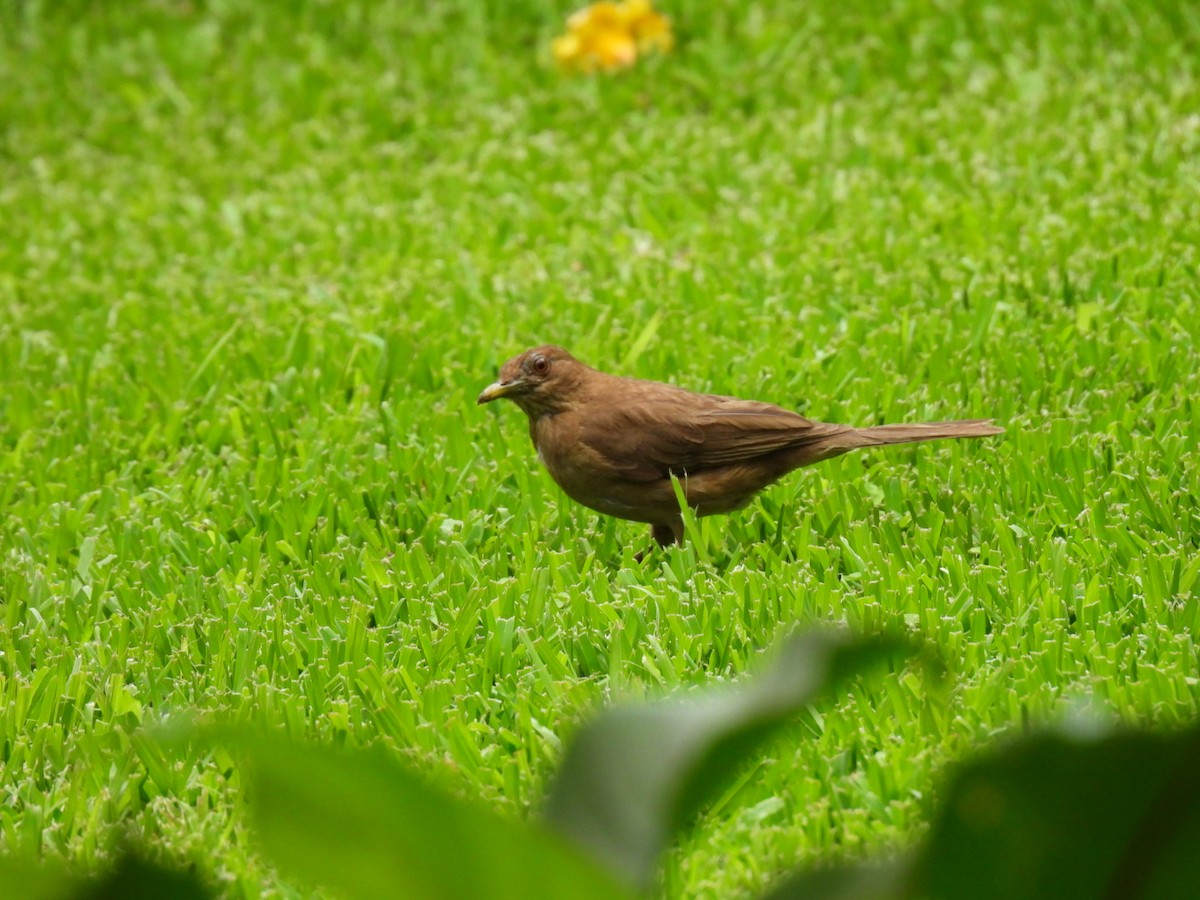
point(613, 443)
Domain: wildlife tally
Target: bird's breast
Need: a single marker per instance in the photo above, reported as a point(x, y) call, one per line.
point(560, 451)
point(580, 471)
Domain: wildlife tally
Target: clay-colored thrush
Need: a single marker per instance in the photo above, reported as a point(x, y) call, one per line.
point(613, 443)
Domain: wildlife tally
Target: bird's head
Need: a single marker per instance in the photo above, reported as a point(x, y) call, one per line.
point(539, 380)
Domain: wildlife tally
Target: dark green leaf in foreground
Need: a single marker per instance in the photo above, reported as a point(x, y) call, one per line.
point(132, 878)
point(137, 879)
point(19, 878)
point(1049, 817)
point(865, 882)
point(636, 776)
point(365, 826)
point(1056, 817)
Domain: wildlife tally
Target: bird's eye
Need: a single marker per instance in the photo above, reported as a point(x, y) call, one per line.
point(541, 365)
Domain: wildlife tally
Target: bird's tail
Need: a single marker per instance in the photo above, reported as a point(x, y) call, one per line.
point(834, 440)
point(879, 435)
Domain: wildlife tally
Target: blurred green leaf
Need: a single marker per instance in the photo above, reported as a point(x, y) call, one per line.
point(19, 878)
point(132, 878)
point(1049, 817)
point(1059, 816)
point(636, 776)
point(865, 882)
point(366, 827)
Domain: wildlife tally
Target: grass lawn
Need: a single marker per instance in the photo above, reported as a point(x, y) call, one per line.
point(256, 261)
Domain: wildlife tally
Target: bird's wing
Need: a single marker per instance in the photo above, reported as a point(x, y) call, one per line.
point(661, 430)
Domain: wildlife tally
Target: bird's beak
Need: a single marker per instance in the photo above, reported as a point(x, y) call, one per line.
point(499, 389)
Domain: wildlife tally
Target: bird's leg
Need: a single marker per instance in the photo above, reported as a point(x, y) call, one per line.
point(664, 536)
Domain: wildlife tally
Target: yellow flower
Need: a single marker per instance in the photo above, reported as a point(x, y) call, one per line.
point(651, 30)
point(610, 35)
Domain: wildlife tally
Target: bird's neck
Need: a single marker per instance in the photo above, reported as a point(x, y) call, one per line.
point(538, 408)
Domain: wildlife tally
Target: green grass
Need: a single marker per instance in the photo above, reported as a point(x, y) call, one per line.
point(256, 261)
